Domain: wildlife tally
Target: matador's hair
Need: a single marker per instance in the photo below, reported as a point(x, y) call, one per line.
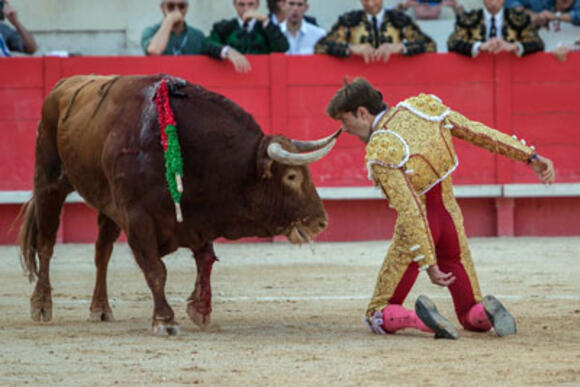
point(353, 94)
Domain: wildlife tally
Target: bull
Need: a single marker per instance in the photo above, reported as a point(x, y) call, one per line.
point(100, 136)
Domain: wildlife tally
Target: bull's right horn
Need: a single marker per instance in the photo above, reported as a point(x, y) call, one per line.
point(281, 155)
point(307, 146)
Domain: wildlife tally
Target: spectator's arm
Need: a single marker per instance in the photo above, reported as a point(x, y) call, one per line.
point(529, 38)
point(415, 40)
point(28, 42)
point(277, 42)
point(158, 42)
point(459, 41)
point(336, 42)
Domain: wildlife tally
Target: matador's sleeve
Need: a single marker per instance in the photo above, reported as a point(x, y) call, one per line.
point(527, 32)
point(488, 138)
point(414, 40)
point(336, 41)
point(412, 224)
point(468, 30)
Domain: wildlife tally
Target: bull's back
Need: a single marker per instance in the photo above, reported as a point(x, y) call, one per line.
point(93, 115)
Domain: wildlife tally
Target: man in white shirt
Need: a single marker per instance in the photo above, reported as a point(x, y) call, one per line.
point(302, 36)
point(494, 29)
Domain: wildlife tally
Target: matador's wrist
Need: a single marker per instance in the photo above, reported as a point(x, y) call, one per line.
point(533, 158)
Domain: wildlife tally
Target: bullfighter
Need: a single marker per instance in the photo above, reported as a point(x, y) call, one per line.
point(410, 155)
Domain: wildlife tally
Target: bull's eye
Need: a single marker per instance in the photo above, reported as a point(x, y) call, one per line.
point(293, 179)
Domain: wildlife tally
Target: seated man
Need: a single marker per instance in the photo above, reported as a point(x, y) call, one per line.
point(494, 29)
point(543, 12)
point(375, 34)
point(250, 33)
point(302, 36)
point(14, 40)
point(172, 36)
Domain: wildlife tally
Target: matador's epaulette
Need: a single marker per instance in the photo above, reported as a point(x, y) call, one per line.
point(225, 27)
point(351, 19)
point(470, 19)
point(516, 19)
point(398, 18)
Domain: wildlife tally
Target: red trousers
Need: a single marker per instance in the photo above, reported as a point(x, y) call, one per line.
point(448, 258)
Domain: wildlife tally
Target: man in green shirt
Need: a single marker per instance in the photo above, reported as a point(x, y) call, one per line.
point(172, 36)
point(250, 33)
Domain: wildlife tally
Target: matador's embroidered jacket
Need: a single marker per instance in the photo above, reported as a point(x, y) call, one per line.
point(259, 40)
point(410, 151)
point(517, 27)
point(353, 28)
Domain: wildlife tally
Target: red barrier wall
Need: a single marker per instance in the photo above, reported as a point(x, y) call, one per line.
point(536, 98)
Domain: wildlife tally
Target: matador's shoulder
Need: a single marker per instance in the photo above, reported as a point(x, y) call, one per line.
point(470, 19)
point(351, 19)
point(517, 19)
point(426, 106)
point(398, 18)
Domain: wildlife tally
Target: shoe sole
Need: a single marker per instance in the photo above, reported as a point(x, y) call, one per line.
point(427, 312)
point(502, 321)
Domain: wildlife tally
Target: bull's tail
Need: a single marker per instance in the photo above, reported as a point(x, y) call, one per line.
point(27, 239)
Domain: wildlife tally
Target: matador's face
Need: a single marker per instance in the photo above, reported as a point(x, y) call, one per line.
point(372, 6)
point(359, 125)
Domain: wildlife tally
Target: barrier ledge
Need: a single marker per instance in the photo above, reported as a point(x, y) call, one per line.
point(368, 193)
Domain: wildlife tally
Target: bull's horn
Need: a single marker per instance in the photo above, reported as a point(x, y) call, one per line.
point(279, 154)
point(307, 146)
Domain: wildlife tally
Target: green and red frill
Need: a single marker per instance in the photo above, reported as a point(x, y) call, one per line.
point(171, 148)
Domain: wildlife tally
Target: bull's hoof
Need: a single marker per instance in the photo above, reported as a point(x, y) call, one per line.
point(200, 319)
point(41, 313)
point(101, 315)
point(166, 329)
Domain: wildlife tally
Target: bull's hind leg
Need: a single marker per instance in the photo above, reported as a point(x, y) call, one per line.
point(199, 303)
point(143, 242)
point(108, 234)
point(50, 191)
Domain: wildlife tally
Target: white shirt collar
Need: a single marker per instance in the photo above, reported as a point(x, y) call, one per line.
point(251, 24)
point(378, 118)
point(498, 21)
point(301, 31)
point(380, 17)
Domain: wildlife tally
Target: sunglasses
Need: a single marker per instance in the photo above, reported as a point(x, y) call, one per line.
point(172, 6)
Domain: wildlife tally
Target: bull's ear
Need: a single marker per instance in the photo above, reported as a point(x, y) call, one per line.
point(265, 168)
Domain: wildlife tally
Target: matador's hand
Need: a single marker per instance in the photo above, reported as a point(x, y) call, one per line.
point(440, 278)
point(544, 168)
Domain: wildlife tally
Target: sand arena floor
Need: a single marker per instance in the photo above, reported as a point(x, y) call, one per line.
point(285, 315)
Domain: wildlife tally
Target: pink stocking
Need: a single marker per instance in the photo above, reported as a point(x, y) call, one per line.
point(396, 317)
point(476, 319)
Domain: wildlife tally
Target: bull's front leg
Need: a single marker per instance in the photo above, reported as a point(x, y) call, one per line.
point(199, 303)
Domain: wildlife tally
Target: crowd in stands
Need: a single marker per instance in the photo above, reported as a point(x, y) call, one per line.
point(374, 32)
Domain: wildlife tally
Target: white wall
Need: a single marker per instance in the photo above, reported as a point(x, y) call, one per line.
point(102, 27)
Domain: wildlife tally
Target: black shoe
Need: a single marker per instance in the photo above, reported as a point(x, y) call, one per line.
point(427, 312)
point(502, 321)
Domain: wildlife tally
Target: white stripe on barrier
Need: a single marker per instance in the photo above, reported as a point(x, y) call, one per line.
point(366, 193)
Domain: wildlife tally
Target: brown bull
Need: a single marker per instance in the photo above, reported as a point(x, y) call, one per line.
point(100, 136)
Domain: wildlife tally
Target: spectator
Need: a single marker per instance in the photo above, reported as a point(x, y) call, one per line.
point(561, 52)
point(250, 33)
point(418, 6)
point(375, 34)
point(14, 40)
point(277, 12)
point(302, 35)
point(494, 29)
point(543, 12)
point(172, 36)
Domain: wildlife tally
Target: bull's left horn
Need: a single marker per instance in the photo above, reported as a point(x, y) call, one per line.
point(307, 146)
point(281, 155)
